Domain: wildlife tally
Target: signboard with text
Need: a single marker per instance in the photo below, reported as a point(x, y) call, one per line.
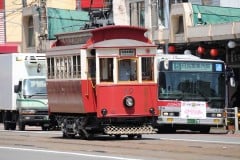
point(193, 110)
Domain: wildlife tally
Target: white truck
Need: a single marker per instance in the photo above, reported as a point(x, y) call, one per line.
point(23, 95)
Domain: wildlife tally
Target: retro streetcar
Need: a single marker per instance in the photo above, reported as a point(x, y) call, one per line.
point(106, 85)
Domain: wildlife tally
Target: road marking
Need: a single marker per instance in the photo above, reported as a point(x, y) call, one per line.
point(68, 153)
point(194, 140)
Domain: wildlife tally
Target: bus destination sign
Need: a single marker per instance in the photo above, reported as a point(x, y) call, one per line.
point(192, 66)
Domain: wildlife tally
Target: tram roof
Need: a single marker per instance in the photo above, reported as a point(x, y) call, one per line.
point(118, 36)
point(120, 43)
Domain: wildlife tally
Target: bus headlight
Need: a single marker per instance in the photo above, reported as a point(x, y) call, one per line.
point(165, 113)
point(128, 101)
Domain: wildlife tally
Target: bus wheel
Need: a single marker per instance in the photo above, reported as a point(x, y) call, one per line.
point(205, 130)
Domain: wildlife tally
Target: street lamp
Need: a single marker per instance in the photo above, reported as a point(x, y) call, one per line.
point(231, 44)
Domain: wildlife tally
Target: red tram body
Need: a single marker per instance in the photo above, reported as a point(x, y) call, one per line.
point(107, 85)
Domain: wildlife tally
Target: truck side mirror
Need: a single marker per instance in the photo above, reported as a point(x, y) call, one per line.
point(16, 88)
point(232, 82)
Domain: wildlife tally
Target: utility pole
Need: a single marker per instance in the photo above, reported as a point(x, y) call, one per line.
point(43, 27)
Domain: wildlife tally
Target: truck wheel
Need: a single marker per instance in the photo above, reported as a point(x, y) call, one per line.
point(13, 126)
point(6, 126)
point(45, 128)
point(21, 126)
point(6, 120)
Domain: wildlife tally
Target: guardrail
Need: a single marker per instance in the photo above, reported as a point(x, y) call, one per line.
point(232, 118)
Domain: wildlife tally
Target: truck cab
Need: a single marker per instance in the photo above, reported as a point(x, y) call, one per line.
point(32, 102)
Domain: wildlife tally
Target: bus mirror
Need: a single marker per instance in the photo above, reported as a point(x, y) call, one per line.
point(232, 82)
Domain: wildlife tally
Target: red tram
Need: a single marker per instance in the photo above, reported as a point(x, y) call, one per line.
point(107, 85)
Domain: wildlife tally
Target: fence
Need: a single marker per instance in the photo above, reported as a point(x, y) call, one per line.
point(232, 118)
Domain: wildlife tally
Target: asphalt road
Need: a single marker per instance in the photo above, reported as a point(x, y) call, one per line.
point(35, 144)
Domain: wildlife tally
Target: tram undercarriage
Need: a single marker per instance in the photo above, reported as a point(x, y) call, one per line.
point(86, 127)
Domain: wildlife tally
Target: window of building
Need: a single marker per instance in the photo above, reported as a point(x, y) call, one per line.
point(137, 14)
point(31, 36)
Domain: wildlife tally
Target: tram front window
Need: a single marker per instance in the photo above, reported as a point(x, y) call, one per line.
point(127, 70)
point(106, 69)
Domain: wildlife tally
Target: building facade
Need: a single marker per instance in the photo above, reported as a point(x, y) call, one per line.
point(178, 23)
point(12, 25)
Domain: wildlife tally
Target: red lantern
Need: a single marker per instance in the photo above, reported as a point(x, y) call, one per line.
point(214, 52)
point(171, 49)
point(200, 50)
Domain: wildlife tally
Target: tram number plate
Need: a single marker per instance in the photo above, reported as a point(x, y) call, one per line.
point(193, 121)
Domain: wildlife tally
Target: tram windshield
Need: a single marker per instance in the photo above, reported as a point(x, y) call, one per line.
point(127, 70)
point(201, 86)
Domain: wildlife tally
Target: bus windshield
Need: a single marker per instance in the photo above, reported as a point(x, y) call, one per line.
point(201, 86)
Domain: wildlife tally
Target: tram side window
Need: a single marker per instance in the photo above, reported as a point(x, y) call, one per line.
point(127, 70)
point(76, 66)
point(50, 65)
point(69, 67)
point(65, 70)
point(62, 68)
point(147, 68)
point(92, 67)
point(106, 69)
point(57, 68)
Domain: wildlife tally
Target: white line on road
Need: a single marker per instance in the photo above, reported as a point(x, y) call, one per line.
point(67, 153)
point(204, 141)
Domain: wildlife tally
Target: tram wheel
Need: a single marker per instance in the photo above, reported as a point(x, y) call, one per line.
point(118, 136)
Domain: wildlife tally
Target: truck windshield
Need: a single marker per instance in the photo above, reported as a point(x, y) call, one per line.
point(201, 86)
point(34, 87)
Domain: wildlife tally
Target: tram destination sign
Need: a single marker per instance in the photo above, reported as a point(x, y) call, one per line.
point(192, 66)
point(127, 52)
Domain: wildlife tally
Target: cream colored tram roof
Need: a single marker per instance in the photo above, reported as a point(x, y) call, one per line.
point(120, 43)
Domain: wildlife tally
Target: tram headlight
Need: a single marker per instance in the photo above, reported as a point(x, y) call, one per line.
point(104, 112)
point(128, 101)
point(152, 111)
